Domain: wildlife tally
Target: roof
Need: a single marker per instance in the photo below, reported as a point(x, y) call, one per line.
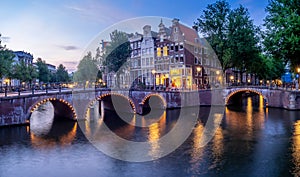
point(22, 54)
point(189, 34)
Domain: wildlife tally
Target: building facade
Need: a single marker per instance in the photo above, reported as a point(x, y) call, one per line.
point(148, 56)
point(135, 59)
point(20, 56)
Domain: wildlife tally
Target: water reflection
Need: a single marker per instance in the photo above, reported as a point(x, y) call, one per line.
point(251, 141)
point(46, 132)
point(41, 120)
point(61, 135)
point(296, 148)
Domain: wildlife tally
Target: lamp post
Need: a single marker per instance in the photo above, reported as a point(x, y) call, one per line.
point(231, 79)
point(198, 72)
point(6, 85)
point(153, 72)
point(297, 84)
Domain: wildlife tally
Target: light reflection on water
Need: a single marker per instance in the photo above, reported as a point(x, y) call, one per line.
point(251, 141)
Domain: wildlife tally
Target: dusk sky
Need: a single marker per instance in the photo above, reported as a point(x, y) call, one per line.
point(58, 31)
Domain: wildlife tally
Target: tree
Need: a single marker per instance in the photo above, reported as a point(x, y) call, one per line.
point(117, 52)
point(6, 60)
point(267, 67)
point(62, 74)
point(43, 71)
point(282, 24)
point(87, 69)
point(242, 40)
point(214, 24)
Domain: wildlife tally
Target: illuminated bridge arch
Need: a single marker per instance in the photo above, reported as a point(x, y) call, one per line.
point(146, 98)
point(101, 97)
point(61, 107)
point(245, 90)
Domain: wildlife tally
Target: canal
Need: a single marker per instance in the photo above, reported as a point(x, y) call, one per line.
point(251, 141)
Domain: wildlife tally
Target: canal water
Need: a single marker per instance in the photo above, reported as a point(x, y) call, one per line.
point(251, 141)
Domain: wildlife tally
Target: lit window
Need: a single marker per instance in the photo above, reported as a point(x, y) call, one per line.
point(165, 51)
point(158, 51)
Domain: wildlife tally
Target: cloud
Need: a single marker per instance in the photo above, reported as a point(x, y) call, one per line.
point(99, 12)
point(5, 38)
point(69, 47)
point(70, 65)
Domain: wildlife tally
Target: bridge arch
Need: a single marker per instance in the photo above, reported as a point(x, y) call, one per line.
point(147, 97)
point(58, 105)
point(246, 90)
point(103, 96)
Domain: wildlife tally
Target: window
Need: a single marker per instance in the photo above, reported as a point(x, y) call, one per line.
point(165, 51)
point(143, 61)
point(158, 53)
point(147, 61)
point(172, 47)
point(176, 48)
point(195, 50)
point(175, 29)
point(181, 46)
point(139, 44)
point(196, 60)
point(151, 61)
point(176, 59)
point(181, 59)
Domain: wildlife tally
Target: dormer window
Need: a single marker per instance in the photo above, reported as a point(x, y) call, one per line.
point(175, 29)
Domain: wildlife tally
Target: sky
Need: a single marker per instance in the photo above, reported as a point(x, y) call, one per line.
point(60, 31)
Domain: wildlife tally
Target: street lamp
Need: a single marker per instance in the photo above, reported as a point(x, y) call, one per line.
point(198, 72)
point(231, 78)
point(297, 84)
point(153, 72)
point(6, 84)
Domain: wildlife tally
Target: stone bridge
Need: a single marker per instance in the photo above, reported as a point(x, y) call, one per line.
point(74, 104)
point(279, 98)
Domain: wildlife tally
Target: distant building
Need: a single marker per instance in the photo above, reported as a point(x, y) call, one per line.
point(135, 59)
point(51, 68)
point(148, 55)
point(174, 56)
point(21, 56)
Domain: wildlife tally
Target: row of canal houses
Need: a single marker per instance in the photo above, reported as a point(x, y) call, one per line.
point(173, 57)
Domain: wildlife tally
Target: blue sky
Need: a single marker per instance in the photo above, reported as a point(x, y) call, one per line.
point(59, 31)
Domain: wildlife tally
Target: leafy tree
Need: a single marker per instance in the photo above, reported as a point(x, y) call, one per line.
point(32, 73)
point(214, 24)
point(6, 60)
point(24, 73)
point(87, 69)
point(62, 74)
point(267, 67)
point(43, 71)
point(242, 40)
point(117, 52)
point(282, 38)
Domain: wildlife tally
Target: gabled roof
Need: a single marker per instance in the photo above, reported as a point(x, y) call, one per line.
point(189, 34)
